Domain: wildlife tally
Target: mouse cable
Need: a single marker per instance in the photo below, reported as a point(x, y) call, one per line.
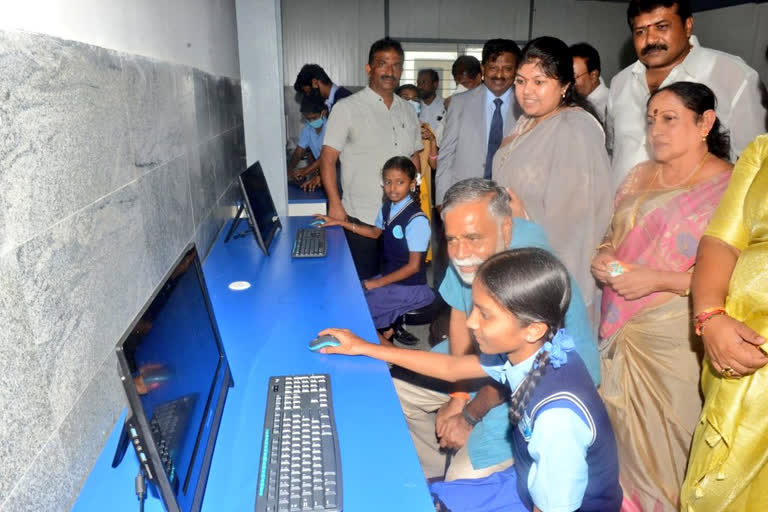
point(141, 488)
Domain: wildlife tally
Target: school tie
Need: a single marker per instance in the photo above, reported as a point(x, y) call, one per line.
point(494, 138)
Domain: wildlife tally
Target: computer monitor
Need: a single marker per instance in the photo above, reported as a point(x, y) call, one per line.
point(176, 376)
point(257, 201)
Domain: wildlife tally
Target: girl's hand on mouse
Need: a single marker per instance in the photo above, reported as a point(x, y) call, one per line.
point(329, 221)
point(349, 343)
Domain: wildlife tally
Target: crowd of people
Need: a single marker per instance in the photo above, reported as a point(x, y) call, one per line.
point(603, 253)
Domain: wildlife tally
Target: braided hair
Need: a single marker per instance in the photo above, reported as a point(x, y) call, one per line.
point(535, 286)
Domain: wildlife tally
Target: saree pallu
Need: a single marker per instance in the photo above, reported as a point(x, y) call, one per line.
point(425, 188)
point(650, 358)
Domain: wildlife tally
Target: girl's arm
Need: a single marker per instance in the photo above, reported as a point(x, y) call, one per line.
point(404, 272)
point(431, 364)
point(359, 229)
point(298, 153)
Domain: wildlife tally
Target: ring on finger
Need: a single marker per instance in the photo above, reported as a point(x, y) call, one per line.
point(729, 372)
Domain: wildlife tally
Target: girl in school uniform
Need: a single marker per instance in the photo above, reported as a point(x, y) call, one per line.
point(404, 232)
point(563, 444)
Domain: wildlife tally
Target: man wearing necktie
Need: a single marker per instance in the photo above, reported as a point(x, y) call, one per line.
point(478, 120)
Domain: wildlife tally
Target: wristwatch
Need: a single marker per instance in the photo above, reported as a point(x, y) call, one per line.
point(471, 420)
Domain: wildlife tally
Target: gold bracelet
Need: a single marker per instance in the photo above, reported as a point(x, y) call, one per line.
point(604, 245)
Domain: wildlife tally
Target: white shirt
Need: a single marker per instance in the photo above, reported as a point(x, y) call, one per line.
point(599, 100)
point(735, 84)
point(490, 107)
point(331, 97)
point(432, 113)
point(367, 134)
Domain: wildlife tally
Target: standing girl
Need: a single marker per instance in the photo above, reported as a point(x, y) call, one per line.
point(562, 441)
point(405, 233)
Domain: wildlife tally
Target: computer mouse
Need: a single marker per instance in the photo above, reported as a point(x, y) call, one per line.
point(317, 223)
point(326, 340)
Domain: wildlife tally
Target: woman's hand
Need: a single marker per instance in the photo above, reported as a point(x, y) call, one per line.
point(731, 344)
point(517, 205)
point(636, 282)
point(349, 343)
point(426, 133)
point(599, 268)
point(329, 221)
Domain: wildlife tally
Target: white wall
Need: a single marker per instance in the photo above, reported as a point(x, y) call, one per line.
point(199, 33)
point(337, 33)
point(261, 78)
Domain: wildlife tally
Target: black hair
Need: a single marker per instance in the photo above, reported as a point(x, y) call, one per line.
point(384, 45)
point(699, 98)
point(432, 74)
point(535, 286)
point(309, 72)
point(404, 164)
point(495, 47)
point(466, 64)
point(404, 87)
point(554, 59)
point(587, 52)
point(638, 7)
point(313, 103)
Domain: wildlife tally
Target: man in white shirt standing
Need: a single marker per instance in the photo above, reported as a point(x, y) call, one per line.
point(365, 130)
point(432, 108)
point(668, 52)
point(587, 79)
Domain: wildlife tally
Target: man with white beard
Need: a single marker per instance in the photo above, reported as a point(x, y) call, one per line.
point(478, 224)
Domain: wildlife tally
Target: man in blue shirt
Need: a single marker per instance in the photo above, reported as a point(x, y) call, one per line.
point(478, 223)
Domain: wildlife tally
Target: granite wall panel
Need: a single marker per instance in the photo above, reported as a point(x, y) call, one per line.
point(109, 165)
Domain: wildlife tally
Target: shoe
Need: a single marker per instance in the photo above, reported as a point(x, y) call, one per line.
point(403, 336)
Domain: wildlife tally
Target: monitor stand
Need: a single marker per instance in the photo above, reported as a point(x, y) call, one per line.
point(235, 223)
point(122, 444)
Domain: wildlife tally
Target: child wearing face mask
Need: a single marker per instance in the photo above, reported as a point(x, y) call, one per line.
point(315, 113)
point(404, 233)
point(562, 440)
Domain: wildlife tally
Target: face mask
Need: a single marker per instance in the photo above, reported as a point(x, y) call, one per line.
point(317, 123)
point(416, 106)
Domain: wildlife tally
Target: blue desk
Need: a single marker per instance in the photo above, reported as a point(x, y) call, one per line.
point(305, 203)
point(265, 330)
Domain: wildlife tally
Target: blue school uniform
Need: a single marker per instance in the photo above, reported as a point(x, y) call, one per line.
point(564, 447)
point(405, 229)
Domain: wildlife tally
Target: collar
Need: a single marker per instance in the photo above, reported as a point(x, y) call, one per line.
point(332, 96)
point(599, 90)
point(489, 97)
point(377, 97)
point(558, 347)
point(690, 64)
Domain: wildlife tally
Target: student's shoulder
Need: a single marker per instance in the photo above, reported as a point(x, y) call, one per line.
point(526, 233)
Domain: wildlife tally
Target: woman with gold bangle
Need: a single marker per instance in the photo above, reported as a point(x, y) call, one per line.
point(648, 353)
point(728, 466)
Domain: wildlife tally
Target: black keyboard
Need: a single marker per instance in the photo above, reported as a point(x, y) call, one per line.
point(300, 467)
point(168, 425)
point(309, 243)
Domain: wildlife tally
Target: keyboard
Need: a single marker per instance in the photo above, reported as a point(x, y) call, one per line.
point(300, 467)
point(309, 243)
point(168, 425)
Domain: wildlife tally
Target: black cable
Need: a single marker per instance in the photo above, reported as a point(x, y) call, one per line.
point(141, 489)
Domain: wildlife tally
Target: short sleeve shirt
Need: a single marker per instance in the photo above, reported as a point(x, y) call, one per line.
point(309, 138)
point(367, 134)
point(417, 232)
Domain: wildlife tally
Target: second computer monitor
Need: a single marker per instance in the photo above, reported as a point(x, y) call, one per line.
point(258, 202)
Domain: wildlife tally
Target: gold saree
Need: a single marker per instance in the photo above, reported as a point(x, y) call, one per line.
point(728, 468)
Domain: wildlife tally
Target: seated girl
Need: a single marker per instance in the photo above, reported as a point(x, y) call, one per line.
point(562, 440)
point(405, 233)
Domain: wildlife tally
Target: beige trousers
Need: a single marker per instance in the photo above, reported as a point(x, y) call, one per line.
point(420, 406)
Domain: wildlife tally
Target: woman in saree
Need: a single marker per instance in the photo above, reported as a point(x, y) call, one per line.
point(555, 161)
point(728, 467)
point(649, 358)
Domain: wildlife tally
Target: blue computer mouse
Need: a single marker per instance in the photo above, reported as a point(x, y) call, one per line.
point(326, 340)
point(317, 223)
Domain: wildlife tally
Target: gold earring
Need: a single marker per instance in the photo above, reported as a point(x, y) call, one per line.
point(704, 137)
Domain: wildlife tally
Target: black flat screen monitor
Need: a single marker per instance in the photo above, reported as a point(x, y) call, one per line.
point(175, 374)
point(262, 214)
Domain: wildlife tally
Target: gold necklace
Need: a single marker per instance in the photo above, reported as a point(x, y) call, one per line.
point(687, 180)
